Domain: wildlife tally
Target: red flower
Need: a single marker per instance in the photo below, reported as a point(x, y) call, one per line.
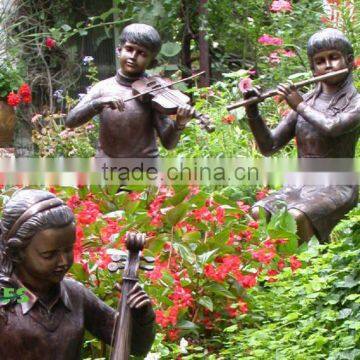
point(264, 255)
point(89, 213)
point(108, 231)
point(281, 264)
point(78, 248)
point(220, 215)
point(228, 119)
point(357, 62)
point(161, 318)
point(232, 312)
point(262, 194)
point(295, 263)
point(243, 306)
point(212, 273)
point(203, 214)
point(182, 296)
point(272, 272)
point(253, 224)
point(158, 271)
point(50, 43)
point(13, 99)
point(173, 334)
point(73, 202)
point(134, 196)
point(246, 281)
point(25, 93)
point(103, 259)
point(324, 19)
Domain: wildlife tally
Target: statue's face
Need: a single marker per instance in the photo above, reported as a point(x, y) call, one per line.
point(48, 257)
point(134, 59)
point(328, 61)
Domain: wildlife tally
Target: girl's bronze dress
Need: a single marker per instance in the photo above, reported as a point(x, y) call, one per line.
point(325, 126)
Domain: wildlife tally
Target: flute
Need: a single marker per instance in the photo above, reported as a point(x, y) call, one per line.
point(273, 92)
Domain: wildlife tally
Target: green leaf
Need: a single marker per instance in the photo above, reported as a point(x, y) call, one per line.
point(178, 197)
point(207, 257)
point(66, 27)
point(192, 236)
point(220, 290)
point(185, 253)
point(187, 325)
point(206, 302)
point(170, 49)
point(348, 283)
point(344, 313)
point(174, 215)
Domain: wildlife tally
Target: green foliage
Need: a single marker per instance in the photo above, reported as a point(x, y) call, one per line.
point(10, 79)
point(313, 314)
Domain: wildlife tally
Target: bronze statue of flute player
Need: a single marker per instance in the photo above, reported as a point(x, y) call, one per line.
point(326, 124)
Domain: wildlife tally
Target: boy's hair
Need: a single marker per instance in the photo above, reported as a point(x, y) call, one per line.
point(141, 34)
point(328, 39)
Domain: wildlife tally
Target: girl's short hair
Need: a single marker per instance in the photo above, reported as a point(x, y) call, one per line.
point(328, 39)
point(141, 34)
point(22, 200)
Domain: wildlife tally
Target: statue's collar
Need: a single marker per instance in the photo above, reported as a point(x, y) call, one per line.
point(127, 80)
point(62, 295)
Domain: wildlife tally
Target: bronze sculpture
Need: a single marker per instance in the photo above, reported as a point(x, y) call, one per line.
point(326, 124)
point(129, 130)
point(36, 251)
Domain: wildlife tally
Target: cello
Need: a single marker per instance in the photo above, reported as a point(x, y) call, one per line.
point(131, 263)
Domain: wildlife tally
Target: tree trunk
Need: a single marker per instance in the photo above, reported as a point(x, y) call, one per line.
point(204, 46)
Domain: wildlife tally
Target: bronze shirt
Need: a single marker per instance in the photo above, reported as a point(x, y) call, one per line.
point(130, 133)
point(55, 331)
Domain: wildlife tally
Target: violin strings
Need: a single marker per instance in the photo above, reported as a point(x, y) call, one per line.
point(172, 97)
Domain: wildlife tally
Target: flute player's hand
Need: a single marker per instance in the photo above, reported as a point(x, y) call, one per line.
point(252, 109)
point(289, 92)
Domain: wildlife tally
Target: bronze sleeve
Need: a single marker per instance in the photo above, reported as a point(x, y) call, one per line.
point(167, 130)
point(332, 126)
point(269, 141)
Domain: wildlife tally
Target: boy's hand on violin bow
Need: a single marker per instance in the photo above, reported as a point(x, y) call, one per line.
point(290, 94)
point(112, 102)
point(183, 116)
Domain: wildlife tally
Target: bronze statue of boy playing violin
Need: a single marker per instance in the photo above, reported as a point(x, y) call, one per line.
point(130, 130)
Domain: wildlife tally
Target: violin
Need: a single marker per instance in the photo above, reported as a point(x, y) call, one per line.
point(166, 100)
point(130, 262)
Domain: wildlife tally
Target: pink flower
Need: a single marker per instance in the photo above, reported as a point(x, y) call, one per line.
point(289, 53)
point(274, 58)
point(252, 72)
point(280, 6)
point(50, 43)
point(270, 40)
point(245, 84)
